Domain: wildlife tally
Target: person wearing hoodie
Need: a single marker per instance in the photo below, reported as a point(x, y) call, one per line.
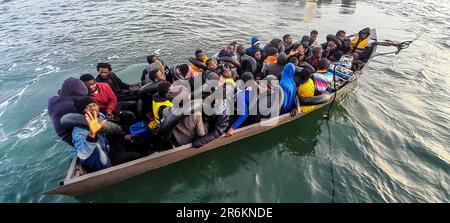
point(276, 43)
point(289, 88)
point(254, 42)
point(58, 106)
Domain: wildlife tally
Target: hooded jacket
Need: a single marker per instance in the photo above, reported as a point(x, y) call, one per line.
point(71, 90)
point(251, 50)
point(289, 87)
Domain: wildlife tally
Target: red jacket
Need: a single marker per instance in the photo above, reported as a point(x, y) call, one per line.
point(105, 97)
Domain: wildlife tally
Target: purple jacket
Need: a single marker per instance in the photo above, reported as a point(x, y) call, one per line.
point(71, 90)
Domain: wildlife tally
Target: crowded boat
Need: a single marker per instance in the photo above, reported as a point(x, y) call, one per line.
point(107, 122)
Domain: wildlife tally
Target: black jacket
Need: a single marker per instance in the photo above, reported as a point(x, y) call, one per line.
point(218, 125)
point(114, 82)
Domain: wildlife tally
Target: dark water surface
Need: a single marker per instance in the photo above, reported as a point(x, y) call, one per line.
point(388, 139)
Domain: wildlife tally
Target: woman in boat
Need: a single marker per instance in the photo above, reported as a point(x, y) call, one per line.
point(289, 87)
point(259, 64)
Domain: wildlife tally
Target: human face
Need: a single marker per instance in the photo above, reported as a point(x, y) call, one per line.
point(104, 72)
point(258, 55)
point(200, 56)
point(241, 50)
point(230, 49)
point(288, 40)
point(341, 36)
point(160, 77)
point(312, 38)
point(92, 108)
point(212, 65)
point(91, 85)
point(256, 46)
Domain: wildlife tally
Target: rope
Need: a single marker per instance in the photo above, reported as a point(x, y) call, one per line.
point(331, 163)
point(400, 46)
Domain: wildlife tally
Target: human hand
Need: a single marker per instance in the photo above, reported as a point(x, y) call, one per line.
point(94, 126)
point(230, 132)
point(109, 115)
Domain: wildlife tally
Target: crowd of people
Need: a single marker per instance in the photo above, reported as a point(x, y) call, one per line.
point(95, 115)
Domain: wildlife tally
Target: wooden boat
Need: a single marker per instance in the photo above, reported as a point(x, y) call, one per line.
point(75, 184)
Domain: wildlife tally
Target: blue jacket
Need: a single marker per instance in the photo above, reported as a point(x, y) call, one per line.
point(289, 87)
point(93, 153)
point(250, 51)
point(243, 100)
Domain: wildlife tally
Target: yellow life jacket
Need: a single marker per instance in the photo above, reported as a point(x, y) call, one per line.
point(306, 90)
point(359, 45)
point(156, 105)
point(197, 69)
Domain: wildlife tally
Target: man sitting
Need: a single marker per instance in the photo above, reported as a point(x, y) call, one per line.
point(122, 90)
point(322, 78)
point(106, 100)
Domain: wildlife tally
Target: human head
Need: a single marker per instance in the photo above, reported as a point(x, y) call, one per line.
point(317, 52)
point(341, 35)
point(255, 42)
point(287, 39)
point(183, 69)
point(305, 74)
point(90, 82)
point(241, 49)
point(163, 89)
point(293, 60)
point(364, 33)
point(87, 104)
point(104, 69)
point(323, 64)
point(246, 76)
point(305, 41)
point(313, 36)
point(199, 55)
point(282, 59)
point(271, 51)
point(211, 64)
point(151, 58)
point(156, 76)
point(231, 48)
point(257, 55)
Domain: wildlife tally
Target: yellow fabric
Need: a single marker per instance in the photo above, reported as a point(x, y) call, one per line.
point(230, 80)
point(156, 105)
point(361, 45)
point(306, 90)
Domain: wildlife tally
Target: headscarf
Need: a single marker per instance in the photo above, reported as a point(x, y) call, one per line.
point(289, 86)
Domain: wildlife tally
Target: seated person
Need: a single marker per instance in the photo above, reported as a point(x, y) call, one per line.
point(201, 58)
point(254, 42)
point(189, 129)
point(71, 90)
point(107, 100)
point(277, 68)
point(331, 52)
point(361, 45)
point(161, 101)
point(91, 146)
point(122, 90)
point(243, 106)
point(289, 88)
point(306, 89)
point(271, 58)
point(316, 55)
point(183, 72)
point(227, 52)
point(259, 64)
point(323, 78)
point(154, 63)
point(211, 73)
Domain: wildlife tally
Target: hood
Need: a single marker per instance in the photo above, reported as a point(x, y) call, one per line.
point(288, 72)
point(73, 87)
point(364, 31)
point(254, 41)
